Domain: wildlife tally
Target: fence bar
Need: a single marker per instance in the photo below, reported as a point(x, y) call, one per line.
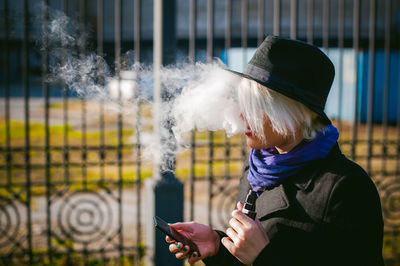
point(82, 14)
point(192, 58)
point(395, 236)
point(397, 176)
point(210, 40)
point(192, 30)
point(82, 19)
point(227, 157)
point(293, 19)
point(137, 39)
point(397, 170)
point(137, 29)
point(228, 26)
point(371, 80)
point(6, 67)
point(210, 174)
point(244, 15)
point(65, 108)
point(26, 86)
point(100, 15)
point(325, 25)
point(310, 21)
point(340, 46)
point(260, 24)
point(277, 17)
point(356, 31)
point(210, 30)
point(388, 7)
point(100, 52)
point(138, 182)
point(120, 122)
point(45, 59)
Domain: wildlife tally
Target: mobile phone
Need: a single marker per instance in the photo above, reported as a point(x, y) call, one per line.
point(164, 227)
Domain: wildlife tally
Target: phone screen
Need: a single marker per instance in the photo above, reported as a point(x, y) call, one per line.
point(164, 227)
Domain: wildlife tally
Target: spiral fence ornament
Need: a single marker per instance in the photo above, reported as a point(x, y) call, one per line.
point(226, 203)
point(85, 217)
point(9, 222)
point(390, 197)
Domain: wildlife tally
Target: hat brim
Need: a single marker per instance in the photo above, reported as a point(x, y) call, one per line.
point(276, 87)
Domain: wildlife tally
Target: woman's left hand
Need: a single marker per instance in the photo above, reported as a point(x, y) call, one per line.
point(246, 237)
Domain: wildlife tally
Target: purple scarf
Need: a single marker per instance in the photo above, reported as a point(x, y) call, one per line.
point(268, 168)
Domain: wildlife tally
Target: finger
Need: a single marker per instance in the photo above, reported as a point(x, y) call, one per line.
point(175, 247)
point(182, 254)
point(193, 260)
point(229, 245)
point(243, 218)
point(188, 227)
point(233, 236)
point(239, 206)
point(169, 240)
point(194, 257)
point(238, 227)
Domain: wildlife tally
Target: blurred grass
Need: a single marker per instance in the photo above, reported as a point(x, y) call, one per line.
point(224, 161)
point(37, 134)
point(80, 169)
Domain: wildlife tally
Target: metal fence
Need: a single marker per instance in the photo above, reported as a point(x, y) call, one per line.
point(70, 169)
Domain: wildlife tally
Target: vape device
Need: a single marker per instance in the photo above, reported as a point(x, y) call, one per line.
point(249, 207)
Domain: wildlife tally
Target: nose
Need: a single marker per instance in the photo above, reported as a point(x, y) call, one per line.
point(244, 120)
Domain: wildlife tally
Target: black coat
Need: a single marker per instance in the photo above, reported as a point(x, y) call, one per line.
point(329, 214)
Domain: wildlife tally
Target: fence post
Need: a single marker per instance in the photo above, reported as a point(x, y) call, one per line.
point(164, 193)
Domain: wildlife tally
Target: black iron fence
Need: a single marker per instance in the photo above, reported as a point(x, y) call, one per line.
point(70, 169)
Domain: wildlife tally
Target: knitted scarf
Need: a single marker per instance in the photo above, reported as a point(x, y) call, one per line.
point(268, 168)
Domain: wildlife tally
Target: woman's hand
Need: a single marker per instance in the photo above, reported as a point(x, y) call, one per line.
point(206, 239)
point(246, 237)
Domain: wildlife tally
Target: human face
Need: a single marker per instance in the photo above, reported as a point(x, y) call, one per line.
point(272, 139)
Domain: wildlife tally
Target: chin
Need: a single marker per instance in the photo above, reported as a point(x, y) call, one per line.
point(255, 143)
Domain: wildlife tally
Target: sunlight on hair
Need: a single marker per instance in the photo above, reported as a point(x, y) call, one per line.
point(287, 116)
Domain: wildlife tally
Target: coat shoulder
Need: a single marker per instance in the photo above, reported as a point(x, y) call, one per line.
point(350, 192)
point(341, 183)
point(342, 171)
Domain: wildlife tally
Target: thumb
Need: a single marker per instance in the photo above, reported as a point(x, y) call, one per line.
point(188, 227)
point(239, 205)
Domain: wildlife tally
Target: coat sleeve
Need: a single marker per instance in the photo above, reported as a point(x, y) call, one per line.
point(350, 234)
point(223, 257)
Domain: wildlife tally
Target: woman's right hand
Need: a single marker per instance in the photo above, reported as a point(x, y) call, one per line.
point(206, 239)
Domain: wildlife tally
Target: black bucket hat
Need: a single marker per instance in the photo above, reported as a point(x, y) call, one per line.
point(295, 69)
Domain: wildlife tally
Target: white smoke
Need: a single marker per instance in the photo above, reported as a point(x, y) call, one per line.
point(199, 96)
point(208, 103)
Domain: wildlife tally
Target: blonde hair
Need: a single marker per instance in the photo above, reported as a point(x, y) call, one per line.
point(286, 116)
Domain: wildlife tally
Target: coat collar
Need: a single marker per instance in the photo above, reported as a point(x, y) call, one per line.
point(268, 202)
point(272, 201)
point(305, 179)
point(276, 199)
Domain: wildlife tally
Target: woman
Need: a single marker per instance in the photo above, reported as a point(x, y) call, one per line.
point(314, 206)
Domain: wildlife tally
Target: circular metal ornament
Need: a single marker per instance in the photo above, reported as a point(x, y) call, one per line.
point(85, 216)
point(9, 222)
point(390, 198)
